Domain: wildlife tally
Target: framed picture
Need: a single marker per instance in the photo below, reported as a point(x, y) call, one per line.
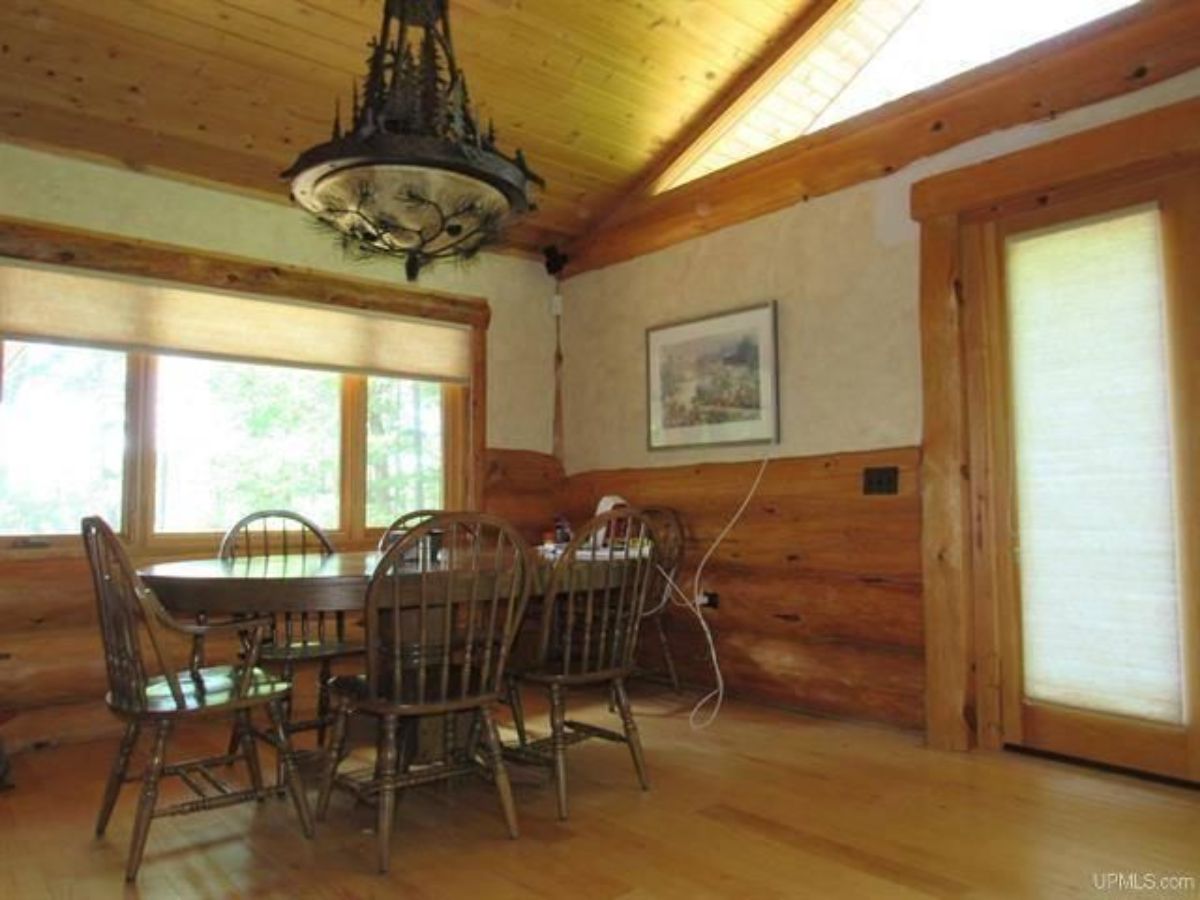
point(714, 380)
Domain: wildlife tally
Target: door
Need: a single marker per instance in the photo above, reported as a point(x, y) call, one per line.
point(1096, 470)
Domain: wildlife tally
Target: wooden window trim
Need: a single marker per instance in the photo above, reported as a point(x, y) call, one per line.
point(61, 246)
point(1124, 52)
point(963, 516)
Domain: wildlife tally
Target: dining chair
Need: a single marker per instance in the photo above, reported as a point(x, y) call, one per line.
point(150, 685)
point(439, 632)
point(305, 637)
point(670, 541)
point(590, 617)
point(403, 526)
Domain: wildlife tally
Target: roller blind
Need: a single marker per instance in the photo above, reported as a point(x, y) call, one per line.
point(1100, 592)
point(38, 302)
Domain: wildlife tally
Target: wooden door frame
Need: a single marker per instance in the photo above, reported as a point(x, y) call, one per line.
point(960, 514)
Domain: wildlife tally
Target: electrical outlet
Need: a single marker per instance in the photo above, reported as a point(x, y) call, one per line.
point(881, 480)
point(710, 599)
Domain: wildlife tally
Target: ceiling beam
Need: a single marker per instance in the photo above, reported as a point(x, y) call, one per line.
point(1124, 52)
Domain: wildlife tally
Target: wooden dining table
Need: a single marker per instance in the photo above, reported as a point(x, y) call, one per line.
point(290, 583)
point(268, 584)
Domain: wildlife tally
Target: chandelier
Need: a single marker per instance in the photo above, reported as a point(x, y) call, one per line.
point(413, 175)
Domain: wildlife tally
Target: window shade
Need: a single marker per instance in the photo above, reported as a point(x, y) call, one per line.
point(137, 314)
point(1100, 594)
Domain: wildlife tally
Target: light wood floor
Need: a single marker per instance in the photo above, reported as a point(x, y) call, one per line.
point(763, 805)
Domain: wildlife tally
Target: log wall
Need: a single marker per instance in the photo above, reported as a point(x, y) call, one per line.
point(819, 585)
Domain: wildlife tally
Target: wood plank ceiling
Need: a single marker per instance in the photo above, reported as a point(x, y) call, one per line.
point(229, 91)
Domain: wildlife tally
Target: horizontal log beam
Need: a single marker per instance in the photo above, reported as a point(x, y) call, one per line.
point(62, 246)
point(1160, 138)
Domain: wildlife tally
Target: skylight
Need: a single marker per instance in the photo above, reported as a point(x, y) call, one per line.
point(866, 53)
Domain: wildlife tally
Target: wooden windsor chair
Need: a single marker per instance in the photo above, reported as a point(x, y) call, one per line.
point(670, 541)
point(166, 693)
point(588, 634)
point(403, 526)
point(305, 637)
point(439, 632)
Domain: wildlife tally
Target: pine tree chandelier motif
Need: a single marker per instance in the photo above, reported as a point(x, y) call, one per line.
point(414, 175)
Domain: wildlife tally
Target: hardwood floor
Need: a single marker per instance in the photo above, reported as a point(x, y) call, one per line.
point(764, 804)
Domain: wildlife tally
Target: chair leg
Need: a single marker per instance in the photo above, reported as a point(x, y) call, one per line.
point(333, 756)
point(249, 749)
point(386, 770)
point(449, 739)
point(631, 732)
point(323, 702)
point(235, 740)
point(149, 797)
point(517, 705)
point(288, 761)
point(474, 732)
point(285, 710)
point(558, 740)
point(668, 659)
point(117, 776)
point(499, 772)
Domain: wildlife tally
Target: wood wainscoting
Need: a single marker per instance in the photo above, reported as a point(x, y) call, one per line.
point(819, 585)
point(820, 590)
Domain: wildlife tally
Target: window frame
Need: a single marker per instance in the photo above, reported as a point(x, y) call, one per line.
point(464, 404)
point(139, 476)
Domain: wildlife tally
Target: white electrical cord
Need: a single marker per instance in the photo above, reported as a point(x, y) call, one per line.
point(717, 695)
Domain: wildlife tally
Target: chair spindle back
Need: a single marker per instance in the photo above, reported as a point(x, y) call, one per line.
point(439, 629)
point(129, 611)
point(281, 532)
point(596, 596)
point(403, 526)
point(670, 540)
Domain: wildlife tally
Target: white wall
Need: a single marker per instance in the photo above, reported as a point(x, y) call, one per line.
point(844, 270)
point(50, 188)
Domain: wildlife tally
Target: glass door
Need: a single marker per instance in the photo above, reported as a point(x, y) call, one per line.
point(1101, 646)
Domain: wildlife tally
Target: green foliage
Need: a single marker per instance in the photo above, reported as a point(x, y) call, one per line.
point(231, 438)
point(235, 437)
point(404, 448)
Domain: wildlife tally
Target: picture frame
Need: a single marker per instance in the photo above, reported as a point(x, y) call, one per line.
point(714, 381)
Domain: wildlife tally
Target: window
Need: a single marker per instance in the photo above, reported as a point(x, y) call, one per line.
point(231, 438)
point(1099, 574)
point(404, 448)
point(227, 438)
point(174, 409)
point(62, 437)
point(866, 53)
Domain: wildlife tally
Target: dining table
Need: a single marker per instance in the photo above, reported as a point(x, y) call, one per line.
point(297, 583)
point(293, 583)
point(283, 584)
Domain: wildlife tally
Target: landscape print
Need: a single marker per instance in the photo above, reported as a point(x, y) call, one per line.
point(712, 380)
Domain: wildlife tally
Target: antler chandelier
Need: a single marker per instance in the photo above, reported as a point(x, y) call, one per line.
point(414, 175)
